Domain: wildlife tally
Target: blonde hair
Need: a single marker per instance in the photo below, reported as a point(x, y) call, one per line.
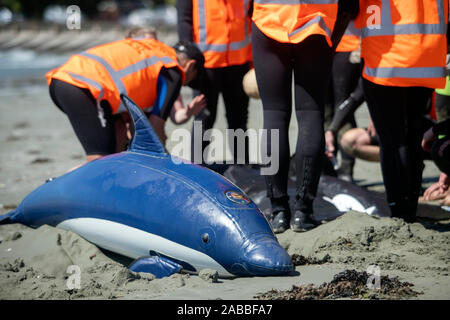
point(140, 32)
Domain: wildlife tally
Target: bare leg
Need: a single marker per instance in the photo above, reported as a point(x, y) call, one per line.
point(356, 142)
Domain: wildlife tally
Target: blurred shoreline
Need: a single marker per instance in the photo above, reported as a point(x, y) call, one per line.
point(55, 38)
point(30, 49)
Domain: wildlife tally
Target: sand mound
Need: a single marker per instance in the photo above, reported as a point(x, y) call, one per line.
point(36, 264)
point(361, 240)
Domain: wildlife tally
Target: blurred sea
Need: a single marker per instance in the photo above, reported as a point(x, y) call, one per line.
point(22, 69)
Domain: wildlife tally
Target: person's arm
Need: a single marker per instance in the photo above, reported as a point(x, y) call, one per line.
point(432, 134)
point(448, 38)
point(343, 111)
point(168, 88)
point(250, 9)
point(347, 11)
point(180, 114)
point(184, 17)
point(347, 108)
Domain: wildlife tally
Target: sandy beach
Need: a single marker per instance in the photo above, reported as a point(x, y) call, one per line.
point(38, 143)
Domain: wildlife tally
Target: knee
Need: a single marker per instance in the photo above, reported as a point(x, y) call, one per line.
point(440, 152)
point(349, 142)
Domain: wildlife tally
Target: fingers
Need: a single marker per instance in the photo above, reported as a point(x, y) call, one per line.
point(425, 145)
point(329, 144)
point(444, 180)
point(432, 192)
point(199, 99)
point(197, 104)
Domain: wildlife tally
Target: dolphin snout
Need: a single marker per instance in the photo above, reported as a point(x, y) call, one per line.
point(266, 257)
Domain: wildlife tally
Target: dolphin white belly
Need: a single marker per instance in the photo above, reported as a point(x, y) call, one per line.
point(135, 243)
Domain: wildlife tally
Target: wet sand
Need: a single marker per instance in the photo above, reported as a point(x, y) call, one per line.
point(38, 143)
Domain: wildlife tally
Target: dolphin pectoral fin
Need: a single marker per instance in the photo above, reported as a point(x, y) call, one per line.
point(370, 210)
point(160, 267)
point(6, 218)
point(145, 138)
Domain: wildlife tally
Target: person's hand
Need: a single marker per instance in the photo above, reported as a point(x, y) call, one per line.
point(371, 129)
point(355, 56)
point(196, 105)
point(446, 200)
point(437, 190)
point(428, 139)
point(434, 192)
point(329, 144)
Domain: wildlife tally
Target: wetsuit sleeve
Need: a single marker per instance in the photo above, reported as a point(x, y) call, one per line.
point(442, 127)
point(448, 35)
point(347, 108)
point(347, 11)
point(168, 88)
point(184, 16)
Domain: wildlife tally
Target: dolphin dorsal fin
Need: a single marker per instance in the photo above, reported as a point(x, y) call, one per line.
point(145, 138)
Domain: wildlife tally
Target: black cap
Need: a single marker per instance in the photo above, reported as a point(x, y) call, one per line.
point(191, 50)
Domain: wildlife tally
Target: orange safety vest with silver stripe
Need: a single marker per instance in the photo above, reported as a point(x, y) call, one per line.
point(350, 40)
point(129, 67)
point(222, 31)
point(292, 21)
point(404, 42)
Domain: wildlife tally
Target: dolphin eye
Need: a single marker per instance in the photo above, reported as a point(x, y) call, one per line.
point(205, 238)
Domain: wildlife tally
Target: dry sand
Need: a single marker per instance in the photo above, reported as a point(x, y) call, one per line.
point(38, 143)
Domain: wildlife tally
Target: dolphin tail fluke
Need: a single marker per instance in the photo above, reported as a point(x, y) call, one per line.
point(145, 138)
point(160, 267)
point(6, 218)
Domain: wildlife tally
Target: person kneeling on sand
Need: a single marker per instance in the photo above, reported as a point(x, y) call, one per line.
point(436, 141)
point(88, 86)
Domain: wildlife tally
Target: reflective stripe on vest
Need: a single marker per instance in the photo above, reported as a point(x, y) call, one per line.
point(318, 20)
point(89, 81)
point(389, 29)
point(117, 76)
point(205, 46)
point(414, 72)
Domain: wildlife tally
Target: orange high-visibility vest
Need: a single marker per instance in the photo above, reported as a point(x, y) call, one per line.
point(350, 40)
point(129, 67)
point(404, 42)
point(222, 31)
point(292, 21)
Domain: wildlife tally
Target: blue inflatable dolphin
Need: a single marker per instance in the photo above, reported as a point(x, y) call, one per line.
point(168, 215)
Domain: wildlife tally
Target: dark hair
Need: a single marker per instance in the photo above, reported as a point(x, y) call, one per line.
point(192, 52)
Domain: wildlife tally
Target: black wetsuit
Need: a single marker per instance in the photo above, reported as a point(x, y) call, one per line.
point(440, 151)
point(346, 107)
point(226, 80)
point(347, 95)
point(94, 126)
point(311, 62)
point(397, 114)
